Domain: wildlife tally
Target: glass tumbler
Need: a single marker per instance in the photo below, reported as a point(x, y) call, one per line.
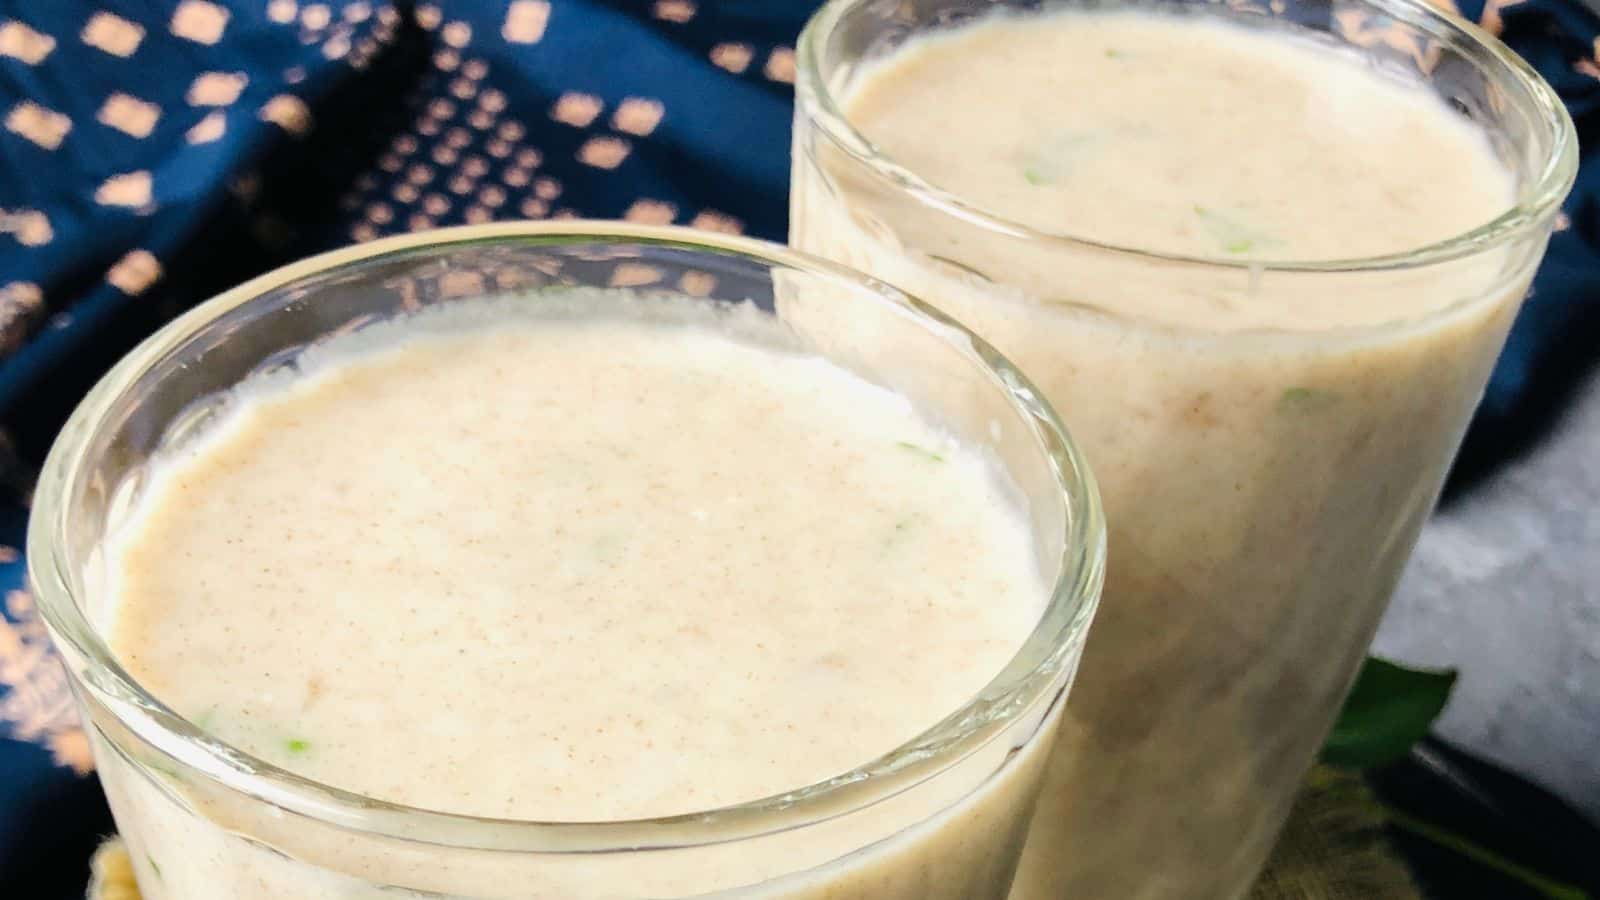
point(942, 816)
point(1263, 487)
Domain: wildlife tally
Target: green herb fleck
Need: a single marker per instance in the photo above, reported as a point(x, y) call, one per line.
point(204, 719)
point(166, 769)
point(1304, 399)
point(297, 746)
point(1389, 709)
point(902, 529)
point(1114, 53)
point(931, 455)
point(1234, 236)
point(608, 547)
point(1051, 161)
point(154, 867)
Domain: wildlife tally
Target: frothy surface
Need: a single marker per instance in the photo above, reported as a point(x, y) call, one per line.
point(1181, 136)
point(573, 569)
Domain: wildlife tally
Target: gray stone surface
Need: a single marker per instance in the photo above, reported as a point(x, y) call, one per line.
point(1505, 586)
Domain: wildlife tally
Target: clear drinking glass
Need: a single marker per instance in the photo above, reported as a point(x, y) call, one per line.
point(943, 816)
point(1263, 488)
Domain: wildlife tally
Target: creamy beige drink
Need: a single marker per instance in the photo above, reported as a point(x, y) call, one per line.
point(598, 586)
point(1269, 437)
point(578, 569)
point(443, 567)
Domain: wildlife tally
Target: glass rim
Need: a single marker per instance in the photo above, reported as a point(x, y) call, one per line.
point(1535, 203)
point(1025, 681)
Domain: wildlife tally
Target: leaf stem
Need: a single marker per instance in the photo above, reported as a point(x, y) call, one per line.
point(1546, 886)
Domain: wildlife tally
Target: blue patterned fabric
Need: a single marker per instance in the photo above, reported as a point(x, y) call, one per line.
point(155, 152)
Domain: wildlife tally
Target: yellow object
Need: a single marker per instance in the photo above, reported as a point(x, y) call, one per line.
point(112, 877)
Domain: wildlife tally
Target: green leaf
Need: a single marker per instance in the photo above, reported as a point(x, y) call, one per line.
point(297, 746)
point(1389, 709)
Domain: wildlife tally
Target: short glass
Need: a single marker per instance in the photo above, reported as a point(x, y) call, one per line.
point(1264, 488)
point(943, 816)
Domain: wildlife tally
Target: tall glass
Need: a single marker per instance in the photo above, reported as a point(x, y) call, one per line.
point(1263, 488)
point(943, 816)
